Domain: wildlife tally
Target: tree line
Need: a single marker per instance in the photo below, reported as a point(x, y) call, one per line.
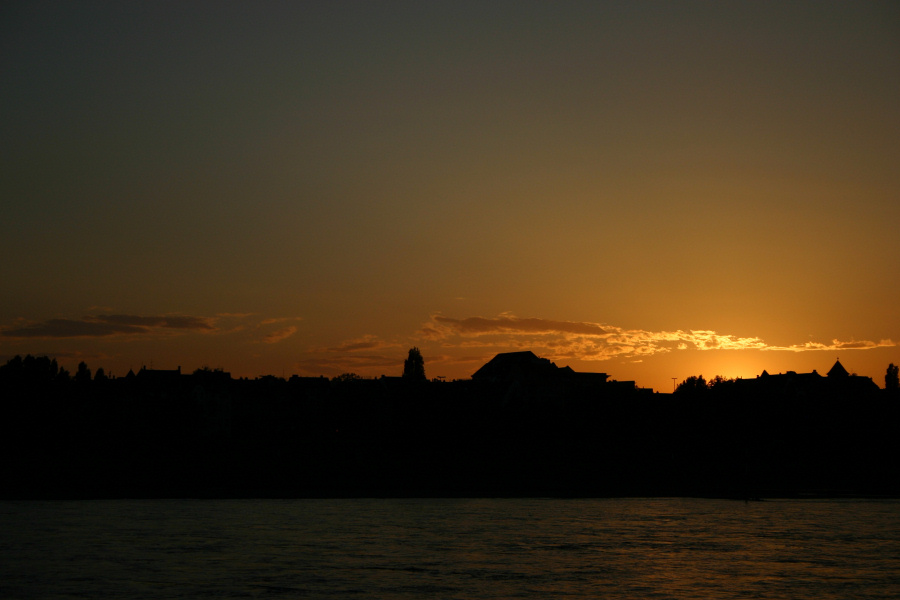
point(89, 435)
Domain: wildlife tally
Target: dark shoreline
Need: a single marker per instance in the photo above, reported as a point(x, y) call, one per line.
point(213, 437)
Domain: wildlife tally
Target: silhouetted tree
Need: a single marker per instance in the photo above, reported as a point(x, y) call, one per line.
point(207, 370)
point(892, 377)
point(414, 366)
point(29, 370)
point(13, 365)
point(13, 371)
point(83, 375)
point(344, 377)
point(695, 384)
point(100, 375)
point(719, 383)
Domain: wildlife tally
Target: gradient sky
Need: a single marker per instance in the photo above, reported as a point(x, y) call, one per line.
point(647, 189)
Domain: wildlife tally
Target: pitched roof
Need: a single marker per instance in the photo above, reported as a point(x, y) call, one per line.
point(838, 370)
point(505, 364)
point(510, 366)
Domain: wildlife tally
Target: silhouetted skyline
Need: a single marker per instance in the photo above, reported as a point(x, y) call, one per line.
point(521, 426)
point(519, 368)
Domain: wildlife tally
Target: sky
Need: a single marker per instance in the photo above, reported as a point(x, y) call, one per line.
point(651, 190)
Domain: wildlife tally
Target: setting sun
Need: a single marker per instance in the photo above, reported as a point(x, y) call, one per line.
point(651, 191)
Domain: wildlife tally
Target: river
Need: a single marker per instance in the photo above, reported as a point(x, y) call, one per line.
point(450, 548)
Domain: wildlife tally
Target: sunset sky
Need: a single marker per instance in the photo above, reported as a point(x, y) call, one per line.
point(646, 189)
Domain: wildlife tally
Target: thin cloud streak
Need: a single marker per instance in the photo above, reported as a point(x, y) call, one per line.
point(277, 320)
point(273, 337)
point(125, 326)
point(366, 342)
point(835, 345)
point(509, 323)
point(597, 341)
point(281, 334)
point(108, 325)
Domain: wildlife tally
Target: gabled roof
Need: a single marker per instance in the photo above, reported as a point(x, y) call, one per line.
point(507, 364)
point(510, 366)
point(838, 370)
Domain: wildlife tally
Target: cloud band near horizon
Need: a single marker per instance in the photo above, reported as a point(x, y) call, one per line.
point(597, 341)
point(128, 326)
point(108, 325)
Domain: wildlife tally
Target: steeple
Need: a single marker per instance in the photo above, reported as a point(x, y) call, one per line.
point(838, 370)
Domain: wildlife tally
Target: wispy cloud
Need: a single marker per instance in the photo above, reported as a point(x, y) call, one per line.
point(127, 326)
point(367, 342)
point(274, 320)
point(273, 337)
point(835, 345)
point(599, 341)
point(511, 324)
point(281, 334)
point(108, 325)
point(165, 322)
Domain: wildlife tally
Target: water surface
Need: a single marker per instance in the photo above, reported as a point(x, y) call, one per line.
point(454, 548)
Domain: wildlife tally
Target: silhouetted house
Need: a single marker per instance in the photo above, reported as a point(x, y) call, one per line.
point(625, 387)
point(838, 370)
point(167, 378)
point(211, 375)
point(842, 381)
point(526, 376)
point(516, 366)
point(320, 382)
point(802, 385)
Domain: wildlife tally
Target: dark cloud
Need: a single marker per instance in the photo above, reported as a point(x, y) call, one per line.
point(106, 325)
point(168, 322)
point(510, 324)
point(367, 342)
point(63, 328)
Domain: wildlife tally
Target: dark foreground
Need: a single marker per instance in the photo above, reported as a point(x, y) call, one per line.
point(271, 438)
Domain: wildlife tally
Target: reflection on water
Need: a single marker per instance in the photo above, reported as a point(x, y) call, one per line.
point(480, 548)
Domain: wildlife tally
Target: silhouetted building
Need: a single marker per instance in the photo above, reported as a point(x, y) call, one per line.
point(793, 384)
point(524, 376)
point(516, 366)
point(838, 370)
point(159, 377)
